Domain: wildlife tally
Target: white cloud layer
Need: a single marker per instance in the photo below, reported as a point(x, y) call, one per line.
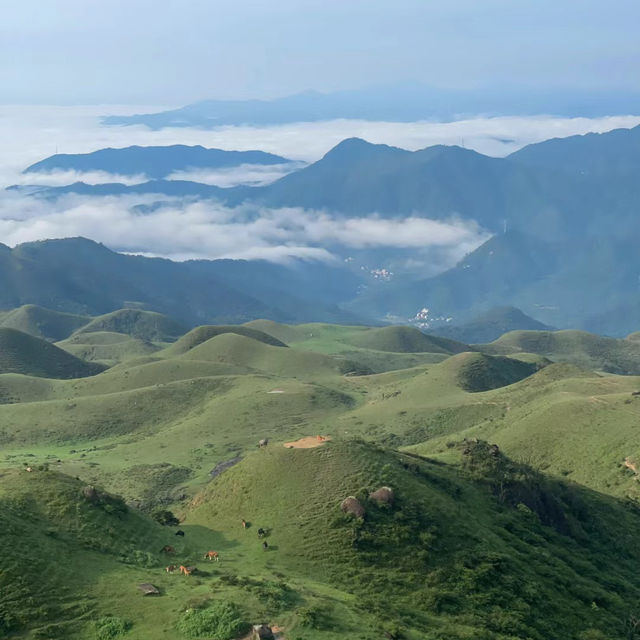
point(209, 230)
point(31, 133)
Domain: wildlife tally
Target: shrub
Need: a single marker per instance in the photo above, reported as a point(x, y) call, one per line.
point(109, 627)
point(311, 616)
point(165, 518)
point(220, 621)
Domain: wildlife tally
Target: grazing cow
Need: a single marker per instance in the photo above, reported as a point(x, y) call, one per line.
point(167, 549)
point(263, 443)
point(265, 546)
point(244, 523)
point(186, 570)
point(261, 533)
point(212, 555)
point(180, 533)
point(171, 568)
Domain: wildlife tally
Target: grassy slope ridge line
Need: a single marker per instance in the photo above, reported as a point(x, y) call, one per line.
point(43, 323)
point(23, 353)
point(146, 325)
point(201, 334)
point(400, 339)
point(578, 347)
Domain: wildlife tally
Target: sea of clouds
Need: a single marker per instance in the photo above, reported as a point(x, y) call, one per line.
point(184, 230)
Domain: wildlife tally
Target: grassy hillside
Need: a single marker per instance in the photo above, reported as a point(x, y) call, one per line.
point(405, 340)
point(145, 325)
point(23, 353)
point(578, 347)
point(62, 539)
point(363, 344)
point(199, 335)
point(42, 323)
point(475, 546)
point(107, 347)
point(492, 550)
point(479, 372)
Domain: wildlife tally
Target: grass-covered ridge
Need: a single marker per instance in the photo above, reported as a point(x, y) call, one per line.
point(42, 323)
point(145, 325)
point(490, 549)
point(26, 354)
point(578, 347)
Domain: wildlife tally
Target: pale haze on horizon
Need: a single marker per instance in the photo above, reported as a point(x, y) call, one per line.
point(117, 51)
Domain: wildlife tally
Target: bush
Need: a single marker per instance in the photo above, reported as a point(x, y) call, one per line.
point(311, 616)
point(110, 627)
point(220, 621)
point(165, 518)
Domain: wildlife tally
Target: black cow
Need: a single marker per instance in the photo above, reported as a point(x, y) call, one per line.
point(261, 533)
point(180, 533)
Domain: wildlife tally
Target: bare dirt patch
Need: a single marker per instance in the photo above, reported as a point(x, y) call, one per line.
point(307, 443)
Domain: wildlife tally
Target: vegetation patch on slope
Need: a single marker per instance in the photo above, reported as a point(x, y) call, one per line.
point(146, 325)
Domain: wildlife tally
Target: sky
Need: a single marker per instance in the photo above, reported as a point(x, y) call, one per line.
point(173, 52)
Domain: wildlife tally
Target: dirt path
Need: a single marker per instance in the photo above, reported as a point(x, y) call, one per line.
point(307, 443)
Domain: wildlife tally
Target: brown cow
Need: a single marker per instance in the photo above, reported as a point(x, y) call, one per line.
point(168, 549)
point(211, 555)
point(244, 523)
point(186, 570)
point(171, 568)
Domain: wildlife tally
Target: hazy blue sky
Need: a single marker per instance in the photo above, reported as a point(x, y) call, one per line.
point(171, 52)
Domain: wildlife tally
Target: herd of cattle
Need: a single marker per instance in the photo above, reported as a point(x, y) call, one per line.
point(209, 555)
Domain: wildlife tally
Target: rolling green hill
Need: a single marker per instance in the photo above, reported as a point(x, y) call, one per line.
point(474, 546)
point(491, 549)
point(199, 335)
point(107, 347)
point(405, 340)
point(479, 372)
point(62, 541)
point(578, 347)
point(146, 325)
point(23, 353)
point(42, 323)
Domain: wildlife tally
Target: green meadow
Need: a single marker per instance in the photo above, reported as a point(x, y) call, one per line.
point(107, 423)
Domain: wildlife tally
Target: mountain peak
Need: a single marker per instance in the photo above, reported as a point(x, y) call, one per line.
point(355, 148)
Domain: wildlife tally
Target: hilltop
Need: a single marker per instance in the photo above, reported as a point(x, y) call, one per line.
point(42, 323)
point(146, 325)
point(25, 354)
point(578, 347)
point(154, 163)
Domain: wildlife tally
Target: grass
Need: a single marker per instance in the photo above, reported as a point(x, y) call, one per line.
point(26, 354)
point(476, 546)
point(144, 325)
point(42, 323)
point(586, 350)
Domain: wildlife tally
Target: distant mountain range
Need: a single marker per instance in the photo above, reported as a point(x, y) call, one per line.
point(400, 103)
point(153, 162)
point(563, 215)
point(79, 276)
